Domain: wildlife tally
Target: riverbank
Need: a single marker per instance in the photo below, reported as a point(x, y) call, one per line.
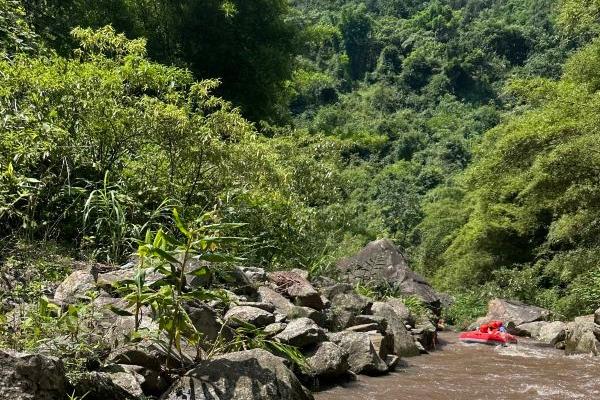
point(528, 370)
point(243, 333)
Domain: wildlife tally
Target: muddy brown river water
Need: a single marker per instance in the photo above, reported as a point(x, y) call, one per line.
point(471, 372)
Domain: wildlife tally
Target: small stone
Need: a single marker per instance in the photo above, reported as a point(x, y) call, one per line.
point(250, 315)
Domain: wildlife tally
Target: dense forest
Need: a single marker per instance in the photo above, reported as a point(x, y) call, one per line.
point(463, 130)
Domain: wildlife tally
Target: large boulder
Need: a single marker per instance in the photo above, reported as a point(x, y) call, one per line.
point(552, 333)
point(333, 289)
point(363, 357)
point(404, 344)
point(245, 375)
point(530, 329)
point(251, 315)
point(74, 288)
point(327, 360)
point(298, 288)
point(31, 377)
point(345, 307)
point(301, 332)
point(513, 313)
point(381, 262)
point(582, 336)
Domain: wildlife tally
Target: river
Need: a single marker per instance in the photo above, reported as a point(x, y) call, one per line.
point(474, 371)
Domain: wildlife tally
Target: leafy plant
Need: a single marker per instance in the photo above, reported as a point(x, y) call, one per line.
point(466, 308)
point(172, 258)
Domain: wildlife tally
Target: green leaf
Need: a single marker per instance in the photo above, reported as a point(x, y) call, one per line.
point(165, 256)
point(180, 224)
point(218, 257)
point(200, 272)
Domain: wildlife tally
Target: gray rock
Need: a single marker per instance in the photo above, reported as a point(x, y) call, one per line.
point(107, 280)
point(552, 333)
point(404, 344)
point(370, 319)
point(74, 288)
point(128, 380)
point(147, 354)
point(401, 310)
point(331, 291)
point(392, 361)
point(425, 333)
point(281, 304)
point(306, 312)
point(236, 280)
point(363, 328)
point(362, 355)
point(327, 360)
point(582, 336)
point(103, 385)
point(245, 375)
point(152, 382)
point(530, 329)
point(597, 317)
point(255, 274)
point(117, 328)
point(383, 344)
point(206, 320)
point(346, 306)
point(298, 288)
point(258, 304)
point(514, 313)
point(251, 315)
point(380, 262)
point(301, 332)
point(31, 377)
point(301, 272)
point(446, 300)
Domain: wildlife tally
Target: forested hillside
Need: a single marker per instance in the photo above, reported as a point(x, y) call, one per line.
point(463, 130)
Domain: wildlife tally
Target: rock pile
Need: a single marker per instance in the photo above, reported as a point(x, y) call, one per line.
point(339, 332)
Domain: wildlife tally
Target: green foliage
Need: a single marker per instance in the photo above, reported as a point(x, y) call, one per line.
point(530, 203)
point(248, 44)
point(467, 307)
point(158, 135)
point(16, 36)
point(171, 258)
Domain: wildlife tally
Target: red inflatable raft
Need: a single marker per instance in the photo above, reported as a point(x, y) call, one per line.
point(487, 337)
point(488, 334)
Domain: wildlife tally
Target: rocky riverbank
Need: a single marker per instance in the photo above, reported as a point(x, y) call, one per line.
point(338, 332)
point(294, 334)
